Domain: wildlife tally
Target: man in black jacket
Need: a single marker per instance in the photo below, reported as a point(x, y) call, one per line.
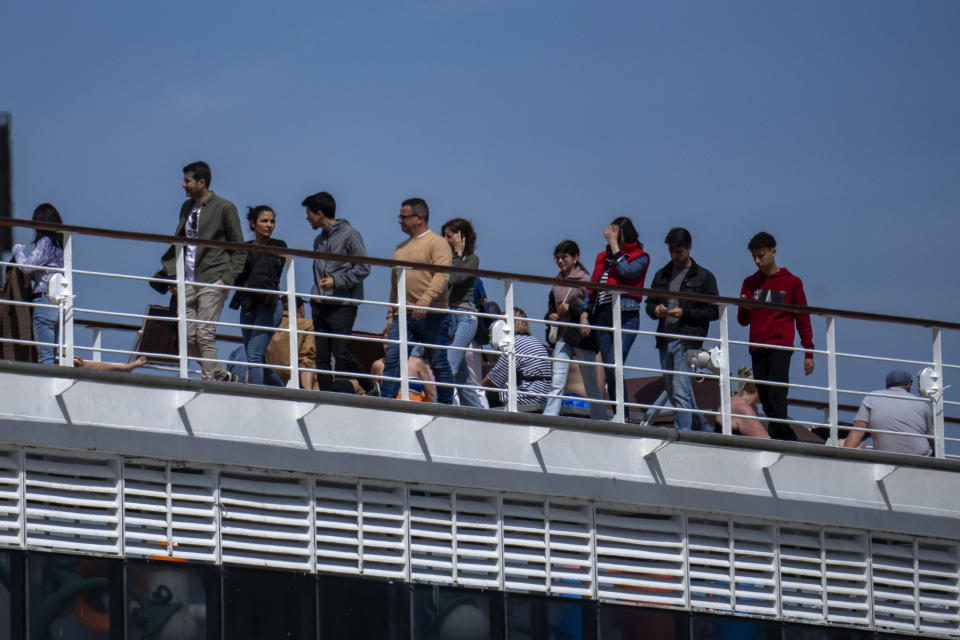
point(683, 318)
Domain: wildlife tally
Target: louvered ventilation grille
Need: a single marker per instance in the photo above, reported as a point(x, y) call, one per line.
point(524, 545)
point(9, 498)
point(847, 580)
point(431, 536)
point(478, 540)
point(894, 594)
point(570, 550)
point(640, 557)
point(72, 504)
point(383, 531)
point(801, 574)
point(708, 547)
point(338, 526)
point(265, 521)
point(937, 573)
point(754, 569)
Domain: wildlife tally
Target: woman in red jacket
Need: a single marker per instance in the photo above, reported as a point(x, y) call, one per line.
point(623, 262)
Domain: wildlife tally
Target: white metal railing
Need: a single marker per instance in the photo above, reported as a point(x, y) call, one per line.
point(513, 392)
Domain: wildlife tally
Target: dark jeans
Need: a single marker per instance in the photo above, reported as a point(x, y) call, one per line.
point(336, 318)
point(432, 329)
point(629, 319)
point(774, 365)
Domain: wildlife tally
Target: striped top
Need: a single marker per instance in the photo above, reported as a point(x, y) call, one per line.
point(533, 376)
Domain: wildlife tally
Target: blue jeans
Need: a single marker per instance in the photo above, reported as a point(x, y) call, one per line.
point(680, 388)
point(255, 341)
point(46, 327)
point(462, 327)
point(628, 320)
point(431, 329)
point(588, 373)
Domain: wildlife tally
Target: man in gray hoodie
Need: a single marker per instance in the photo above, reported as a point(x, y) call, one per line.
point(340, 280)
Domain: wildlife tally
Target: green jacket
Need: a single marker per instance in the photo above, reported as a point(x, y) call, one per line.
point(218, 221)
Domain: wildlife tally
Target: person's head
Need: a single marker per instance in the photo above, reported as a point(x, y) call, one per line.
point(567, 256)
point(196, 179)
point(747, 390)
point(321, 209)
point(899, 378)
point(520, 323)
point(465, 229)
point(679, 243)
point(628, 233)
point(414, 216)
point(46, 212)
point(763, 248)
point(262, 220)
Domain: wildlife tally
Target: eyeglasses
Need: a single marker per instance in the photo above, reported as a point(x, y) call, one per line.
point(409, 215)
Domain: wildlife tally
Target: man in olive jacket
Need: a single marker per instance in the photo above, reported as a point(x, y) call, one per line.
point(682, 317)
point(207, 216)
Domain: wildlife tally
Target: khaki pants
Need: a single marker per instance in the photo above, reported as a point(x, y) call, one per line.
point(205, 303)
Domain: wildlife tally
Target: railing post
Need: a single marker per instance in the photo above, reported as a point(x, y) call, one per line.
point(67, 304)
point(725, 421)
point(834, 417)
point(938, 441)
point(294, 381)
point(620, 413)
point(182, 314)
point(512, 351)
point(402, 332)
point(97, 355)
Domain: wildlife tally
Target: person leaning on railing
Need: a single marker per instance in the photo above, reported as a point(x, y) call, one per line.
point(47, 252)
point(260, 271)
point(462, 239)
point(533, 374)
point(425, 288)
point(622, 262)
point(901, 413)
point(206, 216)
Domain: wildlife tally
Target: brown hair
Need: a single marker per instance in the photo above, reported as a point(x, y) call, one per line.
point(520, 326)
point(746, 387)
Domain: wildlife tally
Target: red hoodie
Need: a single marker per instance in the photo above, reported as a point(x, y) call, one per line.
point(768, 326)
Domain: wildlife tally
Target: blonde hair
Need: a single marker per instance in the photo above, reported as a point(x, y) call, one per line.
point(519, 325)
point(746, 387)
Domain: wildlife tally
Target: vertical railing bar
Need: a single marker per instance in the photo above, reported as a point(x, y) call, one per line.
point(182, 314)
point(725, 360)
point(455, 573)
point(312, 496)
point(834, 417)
point(66, 305)
point(360, 527)
point(22, 502)
point(620, 414)
point(401, 312)
point(294, 381)
point(939, 450)
point(97, 355)
point(121, 510)
point(512, 350)
point(169, 499)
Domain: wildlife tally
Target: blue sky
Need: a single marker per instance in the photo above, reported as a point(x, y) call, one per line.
point(833, 125)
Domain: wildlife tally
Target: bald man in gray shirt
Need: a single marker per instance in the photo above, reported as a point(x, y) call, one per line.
point(898, 411)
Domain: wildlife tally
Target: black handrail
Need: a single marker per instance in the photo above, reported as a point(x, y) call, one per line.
point(483, 273)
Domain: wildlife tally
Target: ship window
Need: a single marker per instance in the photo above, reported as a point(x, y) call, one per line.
point(636, 622)
point(12, 589)
point(260, 604)
point(75, 597)
point(352, 608)
point(531, 618)
point(444, 613)
point(706, 627)
point(172, 599)
point(810, 632)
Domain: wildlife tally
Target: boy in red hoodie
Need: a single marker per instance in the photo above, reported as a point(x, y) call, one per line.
point(768, 326)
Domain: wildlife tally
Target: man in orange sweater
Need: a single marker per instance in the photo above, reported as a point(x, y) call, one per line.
point(427, 290)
